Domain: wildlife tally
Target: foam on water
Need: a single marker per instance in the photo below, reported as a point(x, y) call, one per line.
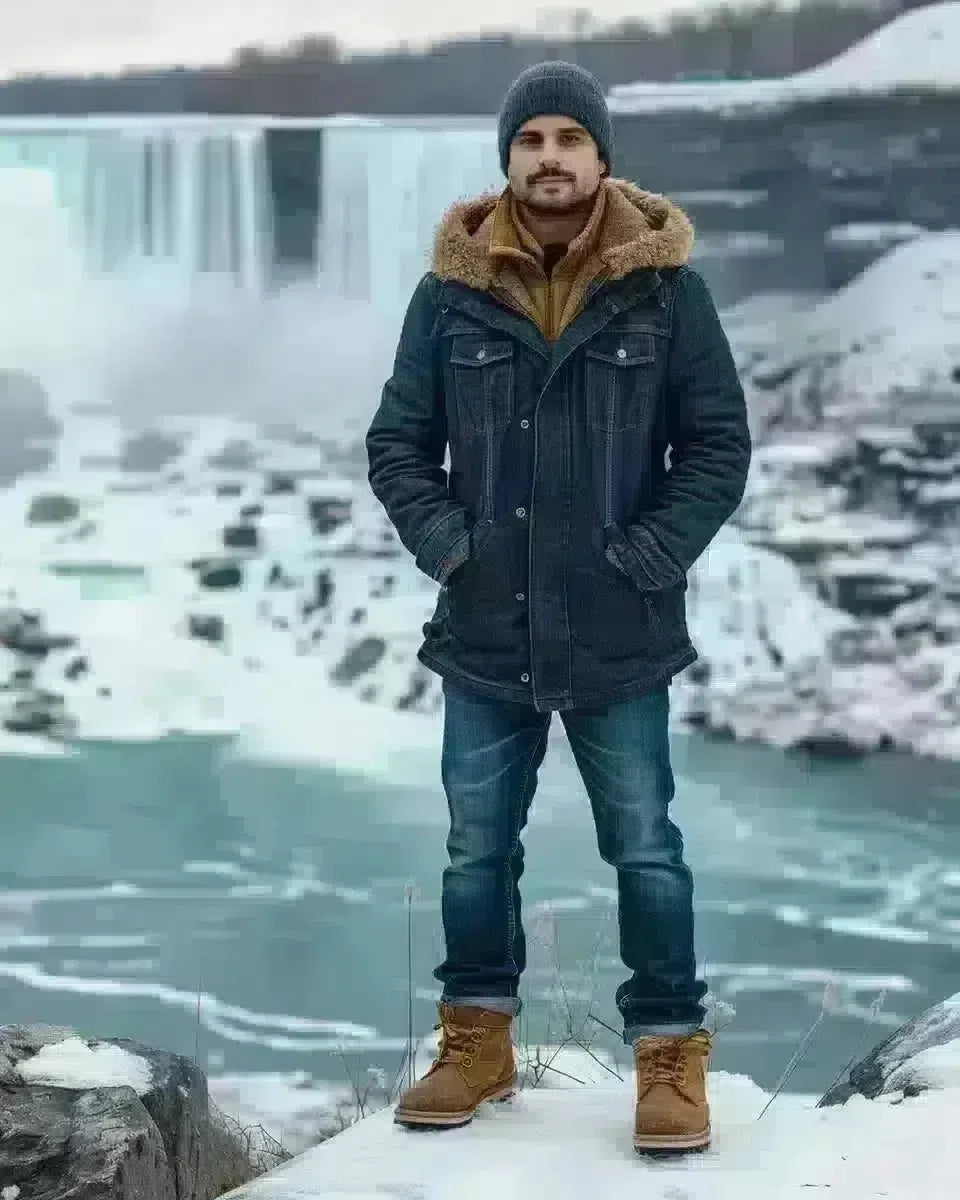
point(235, 1023)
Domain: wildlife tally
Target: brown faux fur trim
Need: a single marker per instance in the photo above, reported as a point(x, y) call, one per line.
point(641, 229)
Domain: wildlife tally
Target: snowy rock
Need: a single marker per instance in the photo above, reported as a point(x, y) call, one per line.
point(885, 350)
point(326, 515)
point(208, 628)
point(242, 536)
point(235, 455)
point(924, 1054)
point(89, 1118)
point(150, 451)
point(217, 576)
point(51, 509)
point(279, 484)
point(27, 426)
point(359, 659)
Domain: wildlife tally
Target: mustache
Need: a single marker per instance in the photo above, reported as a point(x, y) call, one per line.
point(558, 175)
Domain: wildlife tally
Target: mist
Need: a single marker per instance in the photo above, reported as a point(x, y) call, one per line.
point(149, 351)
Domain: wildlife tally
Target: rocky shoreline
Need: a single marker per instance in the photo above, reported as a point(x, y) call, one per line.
point(171, 571)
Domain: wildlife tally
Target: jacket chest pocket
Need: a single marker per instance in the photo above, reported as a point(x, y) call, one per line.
point(621, 379)
point(482, 368)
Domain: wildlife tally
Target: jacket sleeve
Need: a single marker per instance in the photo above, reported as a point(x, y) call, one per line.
point(406, 446)
point(709, 439)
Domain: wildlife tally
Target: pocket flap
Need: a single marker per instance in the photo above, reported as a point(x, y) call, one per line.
point(624, 349)
point(476, 350)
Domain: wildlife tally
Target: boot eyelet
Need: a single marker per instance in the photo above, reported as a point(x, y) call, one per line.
point(467, 1060)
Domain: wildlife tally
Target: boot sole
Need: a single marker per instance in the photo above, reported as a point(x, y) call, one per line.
point(671, 1144)
point(436, 1120)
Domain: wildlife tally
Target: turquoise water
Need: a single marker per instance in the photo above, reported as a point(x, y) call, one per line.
point(133, 877)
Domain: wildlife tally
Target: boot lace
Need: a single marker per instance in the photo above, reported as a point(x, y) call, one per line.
point(458, 1044)
point(666, 1060)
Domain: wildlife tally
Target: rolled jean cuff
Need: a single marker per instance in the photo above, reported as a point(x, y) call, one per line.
point(498, 1004)
point(632, 1032)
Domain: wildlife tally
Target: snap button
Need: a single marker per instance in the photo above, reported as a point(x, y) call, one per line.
point(482, 353)
point(521, 512)
point(521, 596)
point(621, 353)
point(524, 678)
point(524, 424)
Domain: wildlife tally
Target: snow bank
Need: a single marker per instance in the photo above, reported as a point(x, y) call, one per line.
point(568, 1143)
point(892, 332)
point(915, 52)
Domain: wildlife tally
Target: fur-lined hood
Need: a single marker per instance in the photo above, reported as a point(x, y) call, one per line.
point(640, 229)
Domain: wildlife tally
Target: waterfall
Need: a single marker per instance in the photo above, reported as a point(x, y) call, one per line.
point(181, 198)
point(133, 249)
point(384, 187)
point(142, 197)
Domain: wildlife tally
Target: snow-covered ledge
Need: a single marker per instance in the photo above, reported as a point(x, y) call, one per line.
point(574, 1143)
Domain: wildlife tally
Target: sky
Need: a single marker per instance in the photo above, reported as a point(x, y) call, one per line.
point(89, 35)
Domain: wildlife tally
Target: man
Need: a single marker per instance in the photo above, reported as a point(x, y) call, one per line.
point(559, 346)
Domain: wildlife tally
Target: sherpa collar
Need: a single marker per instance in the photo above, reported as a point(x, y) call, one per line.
point(640, 230)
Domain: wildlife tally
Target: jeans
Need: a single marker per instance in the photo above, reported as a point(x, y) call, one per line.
point(492, 750)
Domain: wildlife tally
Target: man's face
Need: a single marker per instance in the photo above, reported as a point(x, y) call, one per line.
point(554, 166)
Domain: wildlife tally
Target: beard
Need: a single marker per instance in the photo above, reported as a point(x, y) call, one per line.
point(560, 206)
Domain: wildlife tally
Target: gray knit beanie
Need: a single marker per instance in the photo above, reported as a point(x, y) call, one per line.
point(558, 89)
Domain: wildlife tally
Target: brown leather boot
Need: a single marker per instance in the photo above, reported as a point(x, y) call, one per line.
point(672, 1112)
point(474, 1063)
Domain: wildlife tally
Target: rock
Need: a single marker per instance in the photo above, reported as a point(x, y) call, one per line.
point(383, 587)
point(150, 451)
point(219, 576)
point(27, 427)
point(90, 1119)
point(830, 745)
point(861, 644)
point(922, 1054)
point(23, 632)
point(360, 658)
point(76, 667)
point(36, 643)
point(51, 509)
point(250, 512)
point(277, 577)
point(36, 712)
point(326, 515)
point(235, 455)
point(25, 406)
point(206, 628)
point(873, 588)
point(280, 484)
point(323, 587)
point(230, 489)
point(241, 537)
point(419, 687)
